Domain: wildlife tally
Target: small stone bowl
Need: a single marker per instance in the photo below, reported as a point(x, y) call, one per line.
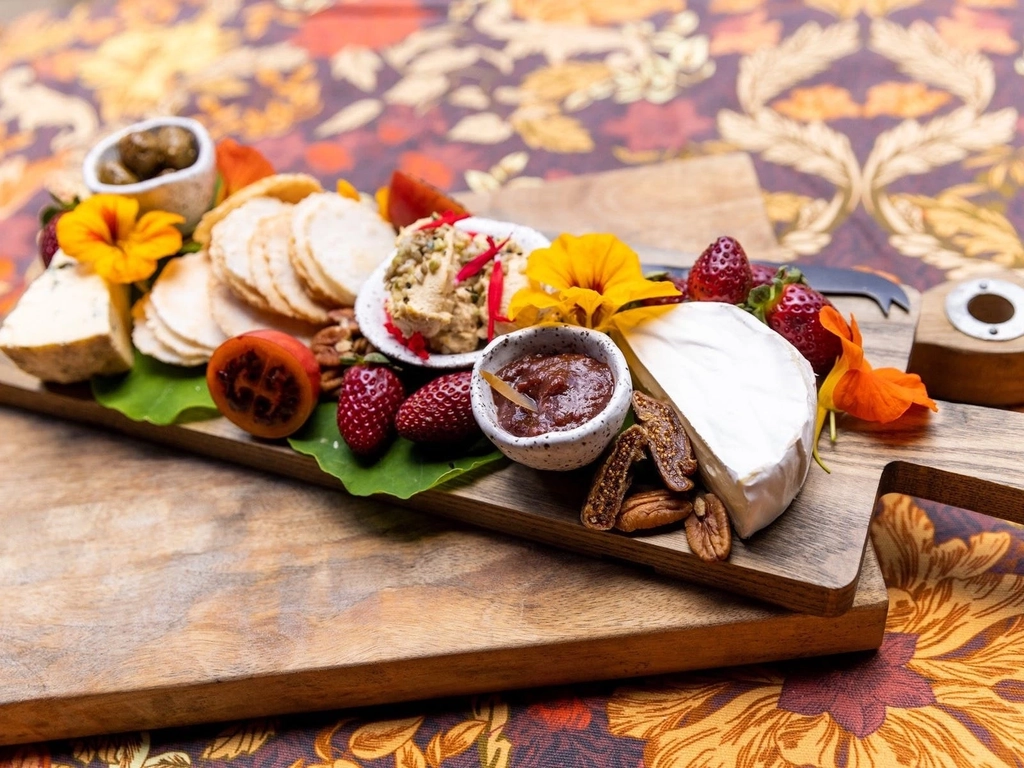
point(188, 192)
point(558, 451)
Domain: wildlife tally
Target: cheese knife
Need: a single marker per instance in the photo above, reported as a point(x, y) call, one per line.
point(833, 281)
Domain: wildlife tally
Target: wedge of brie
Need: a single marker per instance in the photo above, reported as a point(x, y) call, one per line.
point(746, 396)
point(69, 325)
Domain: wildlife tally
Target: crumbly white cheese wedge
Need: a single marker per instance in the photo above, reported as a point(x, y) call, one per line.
point(746, 396)
point(70, 325)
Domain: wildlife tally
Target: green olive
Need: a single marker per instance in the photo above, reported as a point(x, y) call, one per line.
point(141, 153)
point(113, 172)
point(180, 149)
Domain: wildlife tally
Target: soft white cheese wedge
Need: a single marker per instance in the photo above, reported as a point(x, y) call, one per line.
point(746, 396)
point(70, 325)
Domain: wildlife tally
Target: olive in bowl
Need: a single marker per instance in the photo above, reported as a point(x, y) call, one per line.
point(167, 164)
point(580, 386)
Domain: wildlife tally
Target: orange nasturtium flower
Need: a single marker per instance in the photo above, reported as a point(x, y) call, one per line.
point(346, 189)
point(854, 387)
point(239, 166)
point(584, 281)
point(105, 232)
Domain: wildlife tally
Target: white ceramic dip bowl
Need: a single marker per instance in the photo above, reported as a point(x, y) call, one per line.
point(188, 192)
point(571, 448)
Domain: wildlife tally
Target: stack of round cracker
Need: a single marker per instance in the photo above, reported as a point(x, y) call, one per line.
point(280, 253)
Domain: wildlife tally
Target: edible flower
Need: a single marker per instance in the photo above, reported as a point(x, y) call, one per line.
point(584, 281)
point(477, 263)
point(346, 189)
point(495, 290)
point(104, 232)
point(239, 166)
point(416, 343)
point(854, 387)
point(448, 217)
point(381, 196)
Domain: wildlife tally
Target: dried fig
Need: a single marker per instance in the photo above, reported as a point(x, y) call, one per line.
point(669, 446)
point(613, 479)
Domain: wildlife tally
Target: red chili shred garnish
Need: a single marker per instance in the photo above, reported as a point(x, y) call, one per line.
point(494, 291)
point(448, 217)
point(470, 268)
point(415, 343)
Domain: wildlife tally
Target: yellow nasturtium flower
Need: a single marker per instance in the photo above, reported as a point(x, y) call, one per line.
point(585, 281)
point(105, 232)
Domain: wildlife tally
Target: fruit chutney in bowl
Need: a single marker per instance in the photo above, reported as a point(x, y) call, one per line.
point(579, 385)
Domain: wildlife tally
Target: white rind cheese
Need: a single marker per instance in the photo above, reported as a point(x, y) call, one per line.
point(746, 396)
point(70, 325)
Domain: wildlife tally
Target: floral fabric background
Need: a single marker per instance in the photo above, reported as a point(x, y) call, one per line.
point(886, 133)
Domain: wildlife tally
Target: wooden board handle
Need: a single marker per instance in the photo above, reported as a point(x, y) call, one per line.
point(966, 456)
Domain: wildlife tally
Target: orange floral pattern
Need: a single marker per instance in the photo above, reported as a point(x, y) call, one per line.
point(887, 135)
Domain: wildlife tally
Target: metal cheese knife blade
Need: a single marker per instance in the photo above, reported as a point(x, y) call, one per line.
point(833, 281)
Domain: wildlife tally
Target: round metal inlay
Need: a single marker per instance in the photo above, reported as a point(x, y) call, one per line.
point(987, 309)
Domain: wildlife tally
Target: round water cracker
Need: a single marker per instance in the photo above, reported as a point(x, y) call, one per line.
point(187, 349)
point(231, 243)
point(147, 343)
point(181, 300)
point(287, 187)
point(312, 276)
point(274, 246)
point(264, 238)
point(348, 241)
point(235, 317)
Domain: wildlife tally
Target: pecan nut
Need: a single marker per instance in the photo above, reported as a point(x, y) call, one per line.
point(707, 529)
point(668, 443)
point(613, 479)
point(325, 345)
point(652, 509)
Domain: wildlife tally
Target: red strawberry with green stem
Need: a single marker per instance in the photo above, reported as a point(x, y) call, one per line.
point(368, 402)
point(762, 274)
point(440, 412)
point(792, 309)
point(48, 218)
point(722, 273)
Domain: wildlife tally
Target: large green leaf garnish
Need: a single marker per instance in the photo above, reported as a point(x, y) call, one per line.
point(403, 471)
point(156, 392)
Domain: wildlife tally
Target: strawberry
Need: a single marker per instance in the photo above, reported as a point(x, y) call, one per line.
point(49, 217)
point(722, 273)
point(792, 308)
point(678, 282)
point(367, 404)
point(762, 274)
point(440, 412)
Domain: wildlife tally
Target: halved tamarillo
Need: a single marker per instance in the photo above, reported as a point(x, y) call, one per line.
point(265, 382)
point(411, 199)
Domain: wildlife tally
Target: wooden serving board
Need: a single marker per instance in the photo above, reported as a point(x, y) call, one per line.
point(141, 587)
point(808, 560)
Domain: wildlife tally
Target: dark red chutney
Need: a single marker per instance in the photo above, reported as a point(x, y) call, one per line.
point(570, 390)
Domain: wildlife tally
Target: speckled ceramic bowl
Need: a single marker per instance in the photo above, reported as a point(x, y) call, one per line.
point(188, 192)
point(558, 451)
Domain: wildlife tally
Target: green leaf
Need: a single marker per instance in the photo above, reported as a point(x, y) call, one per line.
point(403, 471)
point(156, 392)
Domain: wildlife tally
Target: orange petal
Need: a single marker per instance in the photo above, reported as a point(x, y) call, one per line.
point(345, 189)
point(881, 396)
point(240, 165)
point(381, 196)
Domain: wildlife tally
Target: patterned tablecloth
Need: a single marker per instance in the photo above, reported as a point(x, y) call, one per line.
point(886, 133)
